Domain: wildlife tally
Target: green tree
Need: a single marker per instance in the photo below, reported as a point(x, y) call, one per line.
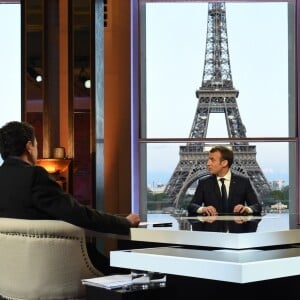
point(278, 195)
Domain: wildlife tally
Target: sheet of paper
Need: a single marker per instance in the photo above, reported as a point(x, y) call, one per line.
point(154, 223)
point(109, 282)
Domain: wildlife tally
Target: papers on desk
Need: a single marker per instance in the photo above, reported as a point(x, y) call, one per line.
point(156, 224)
point(137, 278)
point(109, 282)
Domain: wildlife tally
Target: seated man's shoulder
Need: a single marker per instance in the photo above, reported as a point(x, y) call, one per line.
point(239, 176)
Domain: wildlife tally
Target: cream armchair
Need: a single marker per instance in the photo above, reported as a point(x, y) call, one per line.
point(43, 259)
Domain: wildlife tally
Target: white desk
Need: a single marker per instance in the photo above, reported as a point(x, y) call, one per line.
point(192, 236)
point(238, 266)
point(221, 256)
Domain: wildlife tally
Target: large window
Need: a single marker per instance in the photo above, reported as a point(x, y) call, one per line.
point(178, 56)
point(10, 62)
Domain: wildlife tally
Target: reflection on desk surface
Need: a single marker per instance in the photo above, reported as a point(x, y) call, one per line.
point(272, 230)
point(233, 223)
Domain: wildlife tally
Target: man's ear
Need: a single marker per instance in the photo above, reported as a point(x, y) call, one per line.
point(224, 162)
point(29, 146)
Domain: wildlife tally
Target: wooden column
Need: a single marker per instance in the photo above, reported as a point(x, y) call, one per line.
point(117, 108)
point(66, 138)
point(51, 115)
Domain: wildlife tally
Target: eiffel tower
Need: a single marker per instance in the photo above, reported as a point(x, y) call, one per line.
point(216, 95)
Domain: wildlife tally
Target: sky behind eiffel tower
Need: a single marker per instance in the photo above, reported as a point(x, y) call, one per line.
point(258, 49)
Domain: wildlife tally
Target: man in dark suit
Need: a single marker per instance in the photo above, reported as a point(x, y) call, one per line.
point(29, 192)
point(207, 199)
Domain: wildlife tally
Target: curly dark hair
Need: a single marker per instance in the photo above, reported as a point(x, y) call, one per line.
point(14, 136)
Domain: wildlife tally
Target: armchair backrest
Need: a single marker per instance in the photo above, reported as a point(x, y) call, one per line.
point(43, 259)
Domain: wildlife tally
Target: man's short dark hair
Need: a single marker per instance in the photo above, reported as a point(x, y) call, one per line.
point(226, 153)
point(14, 136)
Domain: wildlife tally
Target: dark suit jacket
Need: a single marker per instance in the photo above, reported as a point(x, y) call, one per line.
point(240, 192)
point(29, 192)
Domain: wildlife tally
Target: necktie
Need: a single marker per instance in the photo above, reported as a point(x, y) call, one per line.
point(224, 194)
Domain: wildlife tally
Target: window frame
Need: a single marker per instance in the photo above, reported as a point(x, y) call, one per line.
point(139, 142)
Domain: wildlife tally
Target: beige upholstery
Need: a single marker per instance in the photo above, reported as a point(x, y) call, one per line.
point(43, 259)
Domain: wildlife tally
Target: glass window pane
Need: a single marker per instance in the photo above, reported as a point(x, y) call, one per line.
point(164, 165)
point(257, 47)
point(221, 73)
point(10, 61)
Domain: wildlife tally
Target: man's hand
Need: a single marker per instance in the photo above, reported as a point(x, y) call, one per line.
point(241, 209)
point(209, 211)
point(134, 219)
